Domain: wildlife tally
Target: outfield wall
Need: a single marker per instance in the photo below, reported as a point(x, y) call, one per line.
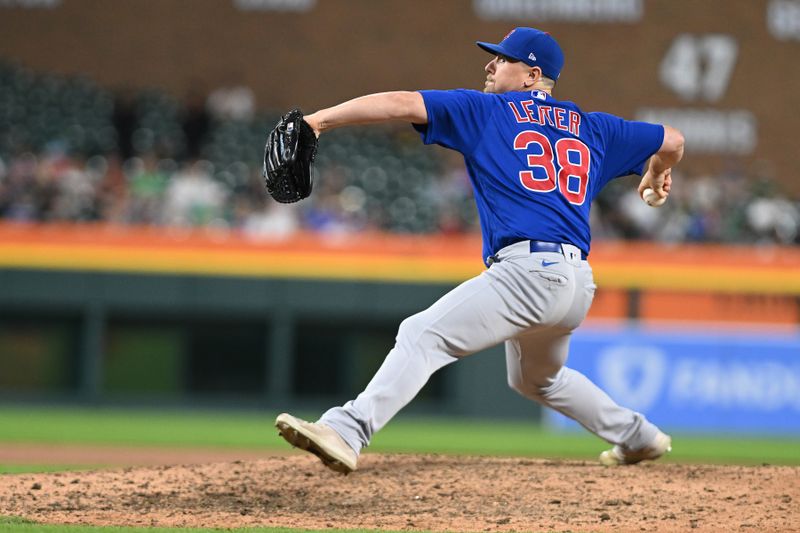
point(108, 314)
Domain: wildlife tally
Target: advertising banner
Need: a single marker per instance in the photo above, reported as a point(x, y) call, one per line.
point(691, 381)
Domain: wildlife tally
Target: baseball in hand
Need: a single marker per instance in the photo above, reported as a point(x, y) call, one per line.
point(652, 198)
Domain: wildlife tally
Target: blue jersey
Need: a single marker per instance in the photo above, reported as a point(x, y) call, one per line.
point(536, 163)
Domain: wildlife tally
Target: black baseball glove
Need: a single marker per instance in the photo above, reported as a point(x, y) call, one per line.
point(288, 156)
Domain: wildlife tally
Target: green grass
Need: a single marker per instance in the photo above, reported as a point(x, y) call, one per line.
point(35, 468)
point(20, 525)
point(408, 435)
point(136, 427)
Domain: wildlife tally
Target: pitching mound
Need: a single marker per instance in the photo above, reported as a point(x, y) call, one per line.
point(439, 493)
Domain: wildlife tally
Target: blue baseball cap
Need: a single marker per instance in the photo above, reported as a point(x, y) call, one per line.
point(533, 47)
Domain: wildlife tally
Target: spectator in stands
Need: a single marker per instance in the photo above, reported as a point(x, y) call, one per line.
point(147, 186)
point(233, 102)
point(193, 198)
point(272, 221)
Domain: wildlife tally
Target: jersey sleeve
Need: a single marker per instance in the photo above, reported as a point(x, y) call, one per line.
point(456, 119)
point(628, 144)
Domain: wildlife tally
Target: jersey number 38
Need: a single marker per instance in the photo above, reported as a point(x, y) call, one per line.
point(572, 158)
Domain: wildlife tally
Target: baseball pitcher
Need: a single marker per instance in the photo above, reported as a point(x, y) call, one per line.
point(536, 163)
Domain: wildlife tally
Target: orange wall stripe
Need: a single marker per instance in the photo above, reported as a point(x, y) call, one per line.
point(238, 263)
point(699, 278)
point(773, 270)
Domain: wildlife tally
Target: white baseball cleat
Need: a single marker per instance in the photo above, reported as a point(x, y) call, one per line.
point(619, 456)
point(319, 439)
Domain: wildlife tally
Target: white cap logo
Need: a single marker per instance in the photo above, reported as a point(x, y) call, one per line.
point(532, 56)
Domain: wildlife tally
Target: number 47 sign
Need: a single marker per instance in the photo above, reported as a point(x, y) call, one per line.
point(699, 66)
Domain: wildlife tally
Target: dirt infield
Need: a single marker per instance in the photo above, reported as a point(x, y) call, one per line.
point(412, 492)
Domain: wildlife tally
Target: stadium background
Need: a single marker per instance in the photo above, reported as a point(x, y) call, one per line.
point(142, 264)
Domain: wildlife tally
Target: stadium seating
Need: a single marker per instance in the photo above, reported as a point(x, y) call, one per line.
point(377, 178)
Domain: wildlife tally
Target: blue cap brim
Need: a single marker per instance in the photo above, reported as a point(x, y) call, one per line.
point(496, 49)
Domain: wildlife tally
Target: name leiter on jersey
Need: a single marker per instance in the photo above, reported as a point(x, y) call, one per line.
point(547, 115)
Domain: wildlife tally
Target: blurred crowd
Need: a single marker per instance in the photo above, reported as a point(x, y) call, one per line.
point(55, 186)
point(70, 151)
point(735, 206)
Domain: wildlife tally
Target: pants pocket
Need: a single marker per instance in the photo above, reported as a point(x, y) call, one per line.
point(553, 278)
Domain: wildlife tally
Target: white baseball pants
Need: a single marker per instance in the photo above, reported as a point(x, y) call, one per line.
point(530, 301)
